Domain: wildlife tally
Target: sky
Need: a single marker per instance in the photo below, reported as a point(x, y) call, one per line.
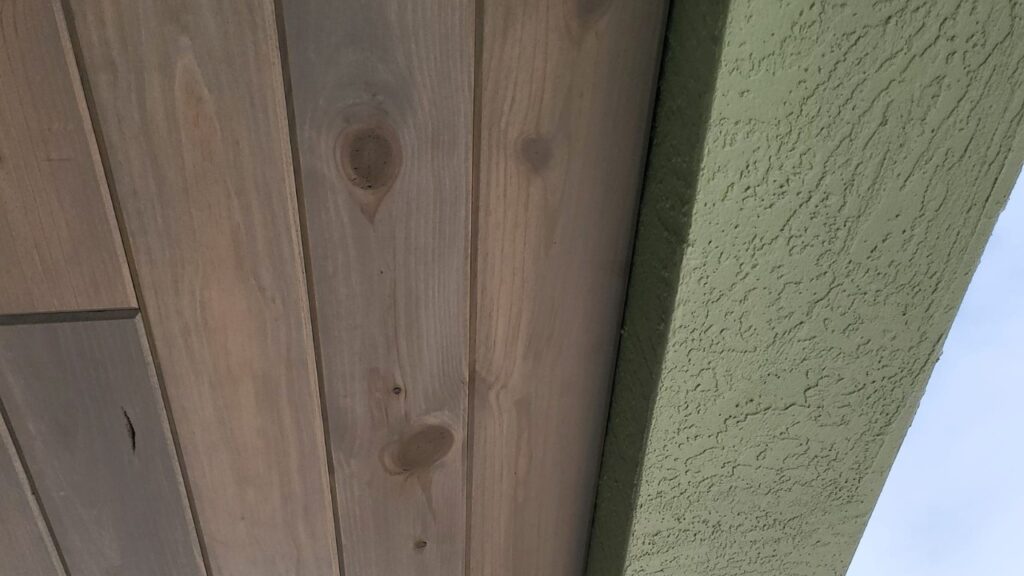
point(954, 501)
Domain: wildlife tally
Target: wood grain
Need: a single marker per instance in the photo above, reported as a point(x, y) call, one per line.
point(83, 401)
point(190, 100)
point(59, 245)
point(565, 99)
point(26, 548)
point(383, 103)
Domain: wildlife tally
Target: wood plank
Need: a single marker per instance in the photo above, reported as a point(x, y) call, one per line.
point(565, 101)
point(83, 401)
point(59, 245)
point(191, 103)
point(383, 102)
point(26, 548)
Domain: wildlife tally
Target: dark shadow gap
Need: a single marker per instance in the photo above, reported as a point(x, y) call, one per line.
point(33, 491)
point(689, 70)
point(68, 317)
point(471, 257)
point(307, 268)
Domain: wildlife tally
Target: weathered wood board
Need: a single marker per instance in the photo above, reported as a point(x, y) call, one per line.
point(60, 248)
point(85, 407)
point(383, 110)
point(565, 97)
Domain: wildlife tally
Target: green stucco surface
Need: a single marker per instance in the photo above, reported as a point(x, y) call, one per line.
point(823, 178)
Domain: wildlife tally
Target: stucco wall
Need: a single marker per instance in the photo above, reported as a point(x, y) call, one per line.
point(855, 158)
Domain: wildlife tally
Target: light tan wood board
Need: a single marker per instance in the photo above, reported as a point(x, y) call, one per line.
point(84, 404)
point(190, 102)
point(383, 103)
point(565, 96)
point(59, 245)
point(26, 548)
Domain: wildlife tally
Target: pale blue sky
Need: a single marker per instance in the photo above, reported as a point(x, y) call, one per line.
point(954, 502)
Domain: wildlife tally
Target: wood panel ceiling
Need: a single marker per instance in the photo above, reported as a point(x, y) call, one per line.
point(312, 287)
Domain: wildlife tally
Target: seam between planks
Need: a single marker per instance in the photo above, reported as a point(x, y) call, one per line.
point(74, 71)
point(35, 502)
point(641, 180)
point(148, 347)
point(472, 249)
point(307, 271)
point(68, 317)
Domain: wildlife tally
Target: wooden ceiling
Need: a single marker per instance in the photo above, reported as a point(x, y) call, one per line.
point(313, 287)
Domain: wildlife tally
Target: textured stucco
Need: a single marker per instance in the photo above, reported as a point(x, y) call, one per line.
point(856, 156)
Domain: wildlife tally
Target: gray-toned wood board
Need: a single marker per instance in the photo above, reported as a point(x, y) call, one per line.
point(84, 404)
point(383, 103)
point(25, 545)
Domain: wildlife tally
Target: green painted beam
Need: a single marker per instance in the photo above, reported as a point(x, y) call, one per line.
point(823, 178)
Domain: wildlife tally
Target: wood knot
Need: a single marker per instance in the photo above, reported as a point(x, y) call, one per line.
point(589, 12)
point(536, 152)
point(419, 449)
point(369, 156)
